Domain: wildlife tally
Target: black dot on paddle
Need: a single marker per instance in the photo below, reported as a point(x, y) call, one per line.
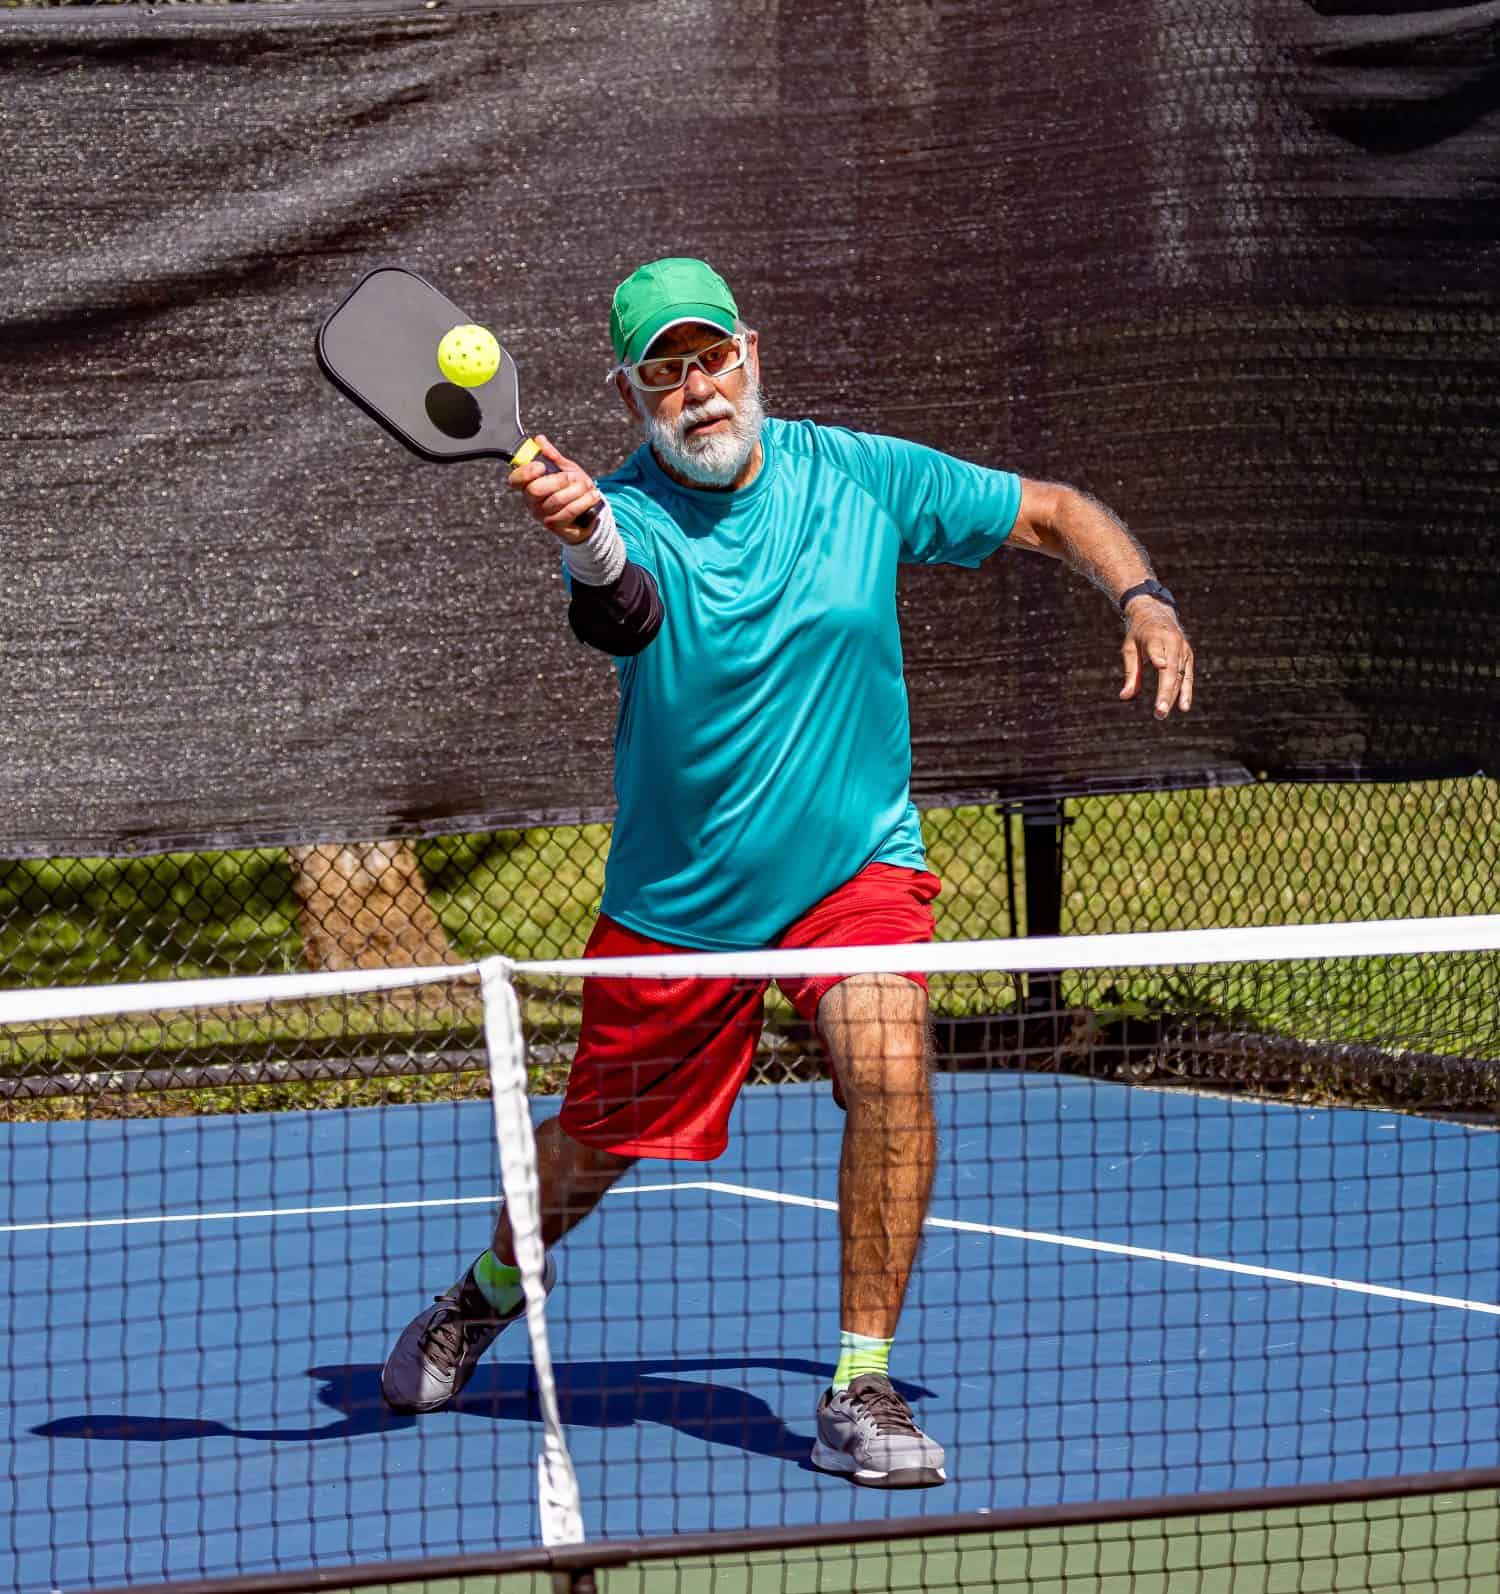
point(453, 410)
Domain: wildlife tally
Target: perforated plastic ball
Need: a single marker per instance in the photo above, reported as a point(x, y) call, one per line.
point(468, 356)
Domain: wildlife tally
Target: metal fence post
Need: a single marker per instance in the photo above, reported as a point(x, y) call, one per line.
point(1043, 821)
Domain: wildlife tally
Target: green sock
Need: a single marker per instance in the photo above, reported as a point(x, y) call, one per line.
point(860, 1354)
point(500, 1285)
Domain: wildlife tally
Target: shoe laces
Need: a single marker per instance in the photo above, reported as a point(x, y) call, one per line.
point(446, 1333)
point(885, 1408)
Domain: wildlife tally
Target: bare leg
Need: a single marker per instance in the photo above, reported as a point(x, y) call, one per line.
point(875, 1028)
point(573, 1179)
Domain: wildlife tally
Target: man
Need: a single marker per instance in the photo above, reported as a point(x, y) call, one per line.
point(742, 573)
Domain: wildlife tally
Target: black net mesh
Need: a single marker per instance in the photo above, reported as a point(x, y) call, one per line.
point(1124, 1303)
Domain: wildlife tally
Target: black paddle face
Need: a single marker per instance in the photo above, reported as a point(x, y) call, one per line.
point(380, 348)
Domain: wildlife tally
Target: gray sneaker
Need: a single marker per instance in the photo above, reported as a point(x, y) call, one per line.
point(440, 1348)
point(867, 1434)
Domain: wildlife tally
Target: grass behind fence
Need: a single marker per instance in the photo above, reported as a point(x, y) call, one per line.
point(1174, 860)
point(1178, 860)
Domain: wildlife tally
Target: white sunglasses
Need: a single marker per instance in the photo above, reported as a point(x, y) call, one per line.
point(664, 373)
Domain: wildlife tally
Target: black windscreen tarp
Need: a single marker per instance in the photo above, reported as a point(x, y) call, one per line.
point(1231, 267)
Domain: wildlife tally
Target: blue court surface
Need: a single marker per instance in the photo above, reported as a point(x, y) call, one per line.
point(198, 1310)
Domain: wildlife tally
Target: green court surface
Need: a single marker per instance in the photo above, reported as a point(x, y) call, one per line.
point(1427, 1544)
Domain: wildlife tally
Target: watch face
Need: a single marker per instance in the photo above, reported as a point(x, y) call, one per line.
point(1147, 589)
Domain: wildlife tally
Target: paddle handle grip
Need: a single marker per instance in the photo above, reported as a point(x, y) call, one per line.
point(530, 450)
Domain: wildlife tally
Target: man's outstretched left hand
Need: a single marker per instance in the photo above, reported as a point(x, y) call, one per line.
point(1151, 629)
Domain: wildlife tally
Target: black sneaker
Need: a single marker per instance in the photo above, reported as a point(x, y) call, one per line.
point(866, 1433)
point(440, 1348)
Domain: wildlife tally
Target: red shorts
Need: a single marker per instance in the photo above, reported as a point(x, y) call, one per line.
point(660, 1062)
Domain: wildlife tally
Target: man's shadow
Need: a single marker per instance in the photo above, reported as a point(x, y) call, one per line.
point(590, 1394)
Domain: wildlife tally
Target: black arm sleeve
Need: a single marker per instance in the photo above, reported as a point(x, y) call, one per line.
point(620, 619)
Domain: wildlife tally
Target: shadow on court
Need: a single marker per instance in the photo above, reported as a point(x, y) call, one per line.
point(590, 1394)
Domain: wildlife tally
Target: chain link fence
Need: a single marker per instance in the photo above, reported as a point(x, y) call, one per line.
point(1247, 855)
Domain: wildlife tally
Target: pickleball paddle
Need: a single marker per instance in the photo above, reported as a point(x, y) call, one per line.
point(379, 348)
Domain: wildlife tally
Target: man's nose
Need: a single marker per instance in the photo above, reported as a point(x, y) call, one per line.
point(699, 386)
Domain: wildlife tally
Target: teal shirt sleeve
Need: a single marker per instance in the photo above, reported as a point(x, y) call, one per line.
point(948, 511)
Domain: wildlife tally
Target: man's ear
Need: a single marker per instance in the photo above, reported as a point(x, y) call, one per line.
point(628, 394)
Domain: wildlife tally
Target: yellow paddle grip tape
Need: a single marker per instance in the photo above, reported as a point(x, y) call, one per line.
point(527, 452)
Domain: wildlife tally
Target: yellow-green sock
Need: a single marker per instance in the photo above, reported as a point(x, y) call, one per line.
point(858, 1353)
point(500, 1285)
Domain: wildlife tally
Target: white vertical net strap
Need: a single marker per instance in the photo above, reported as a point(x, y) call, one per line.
point(561, 1509)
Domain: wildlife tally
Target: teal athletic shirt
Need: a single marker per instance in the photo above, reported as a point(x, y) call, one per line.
point(762, 749)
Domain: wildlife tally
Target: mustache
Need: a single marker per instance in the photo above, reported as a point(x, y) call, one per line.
point(717, 408)
point(712, 458)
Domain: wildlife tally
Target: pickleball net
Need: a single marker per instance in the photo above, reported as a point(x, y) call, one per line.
point(1168, 1335)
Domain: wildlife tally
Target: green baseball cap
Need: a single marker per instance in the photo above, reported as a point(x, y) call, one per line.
point(662, 294)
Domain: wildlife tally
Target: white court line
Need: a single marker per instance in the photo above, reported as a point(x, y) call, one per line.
point(714, 1186)
point(1214, 1264)
point(249, 1212)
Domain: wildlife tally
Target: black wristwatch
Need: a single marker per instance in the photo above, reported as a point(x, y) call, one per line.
point(1148, 589)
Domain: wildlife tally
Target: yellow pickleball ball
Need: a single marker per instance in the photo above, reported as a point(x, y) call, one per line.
point(468, 356)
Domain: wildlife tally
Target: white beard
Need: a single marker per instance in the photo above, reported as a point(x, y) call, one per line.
point(715, 460)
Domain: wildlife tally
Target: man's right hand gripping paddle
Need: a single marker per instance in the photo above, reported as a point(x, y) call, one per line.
point(559, 493)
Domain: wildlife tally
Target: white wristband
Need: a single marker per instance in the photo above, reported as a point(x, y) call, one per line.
point(600, 561)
